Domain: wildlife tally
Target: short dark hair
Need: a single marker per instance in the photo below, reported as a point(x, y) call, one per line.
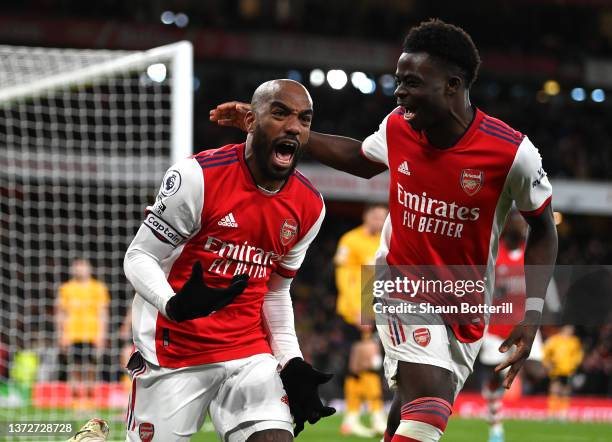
point(447, 42)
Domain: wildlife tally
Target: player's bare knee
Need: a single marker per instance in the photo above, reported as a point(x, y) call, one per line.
point(271, 436)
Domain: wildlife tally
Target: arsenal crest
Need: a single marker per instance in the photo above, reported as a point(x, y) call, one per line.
point(288, 231)
point(422, 336)
point(472, 181)
point(146, 430)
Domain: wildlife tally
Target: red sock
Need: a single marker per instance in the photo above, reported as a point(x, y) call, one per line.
point(430, 410)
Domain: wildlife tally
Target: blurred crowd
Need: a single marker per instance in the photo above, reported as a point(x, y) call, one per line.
point(520, 52)
point(575, 139)
point(494, 24)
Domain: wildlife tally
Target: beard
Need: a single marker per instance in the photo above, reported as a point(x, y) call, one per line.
point(263, 149)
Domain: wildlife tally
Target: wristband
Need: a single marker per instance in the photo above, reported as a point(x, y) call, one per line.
point(534, 304)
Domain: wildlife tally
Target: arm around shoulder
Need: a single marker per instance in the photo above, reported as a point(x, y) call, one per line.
point(343, 153)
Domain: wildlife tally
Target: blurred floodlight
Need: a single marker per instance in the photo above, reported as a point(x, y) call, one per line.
point(337, 78)
point(368, 87)
point(294, 75)
point(551, 87)
point(598, 95)
point(387, 83)
point(363, 83)
point(558, 218)
point(357, 78)
point(181, 20)
point(157, 72)
point(167, 17)
point(317, 77)
point(578, 94)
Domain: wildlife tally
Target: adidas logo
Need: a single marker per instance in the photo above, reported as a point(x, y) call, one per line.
point(403, 168)
point(228, 221)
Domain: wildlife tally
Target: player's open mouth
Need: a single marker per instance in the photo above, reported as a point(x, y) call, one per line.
point(284, 151)
point(408, 114)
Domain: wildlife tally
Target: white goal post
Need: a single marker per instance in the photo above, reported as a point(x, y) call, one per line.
point(179, 55)
point(85, 137)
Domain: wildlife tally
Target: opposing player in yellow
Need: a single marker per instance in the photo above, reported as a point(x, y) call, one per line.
point(82, 320)
point(362, 383)
point(562, 357)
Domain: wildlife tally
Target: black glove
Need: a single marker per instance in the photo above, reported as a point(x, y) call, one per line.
point(196, 300)
point(301, 382)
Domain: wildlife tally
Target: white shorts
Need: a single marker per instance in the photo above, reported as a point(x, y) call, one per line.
point(242, 396)
point(490, 354)
point(425, 344)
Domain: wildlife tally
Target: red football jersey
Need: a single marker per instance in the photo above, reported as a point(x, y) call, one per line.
point(509, 288)
point(209, 209)
point(448, 206)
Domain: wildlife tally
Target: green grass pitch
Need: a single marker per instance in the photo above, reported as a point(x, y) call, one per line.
point(467, 430)
point(459, 430)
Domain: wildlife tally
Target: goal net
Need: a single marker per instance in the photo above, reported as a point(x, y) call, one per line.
point(85, 137)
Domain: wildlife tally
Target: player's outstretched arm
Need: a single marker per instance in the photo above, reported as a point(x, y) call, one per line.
point(196, 300)
point(301, 382)
point(342, 153)
point(540, 256)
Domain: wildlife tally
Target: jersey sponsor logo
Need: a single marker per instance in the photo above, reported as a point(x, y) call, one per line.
point(472, 181)
point(403, 168)
point(171, 183)
point(162, 230)
point(430, 215)
point(288, 231)
point(228, 221)
point(430, 206)
point(285, 399)
point(146, 431)
point(422, 336)
point(236, 258)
